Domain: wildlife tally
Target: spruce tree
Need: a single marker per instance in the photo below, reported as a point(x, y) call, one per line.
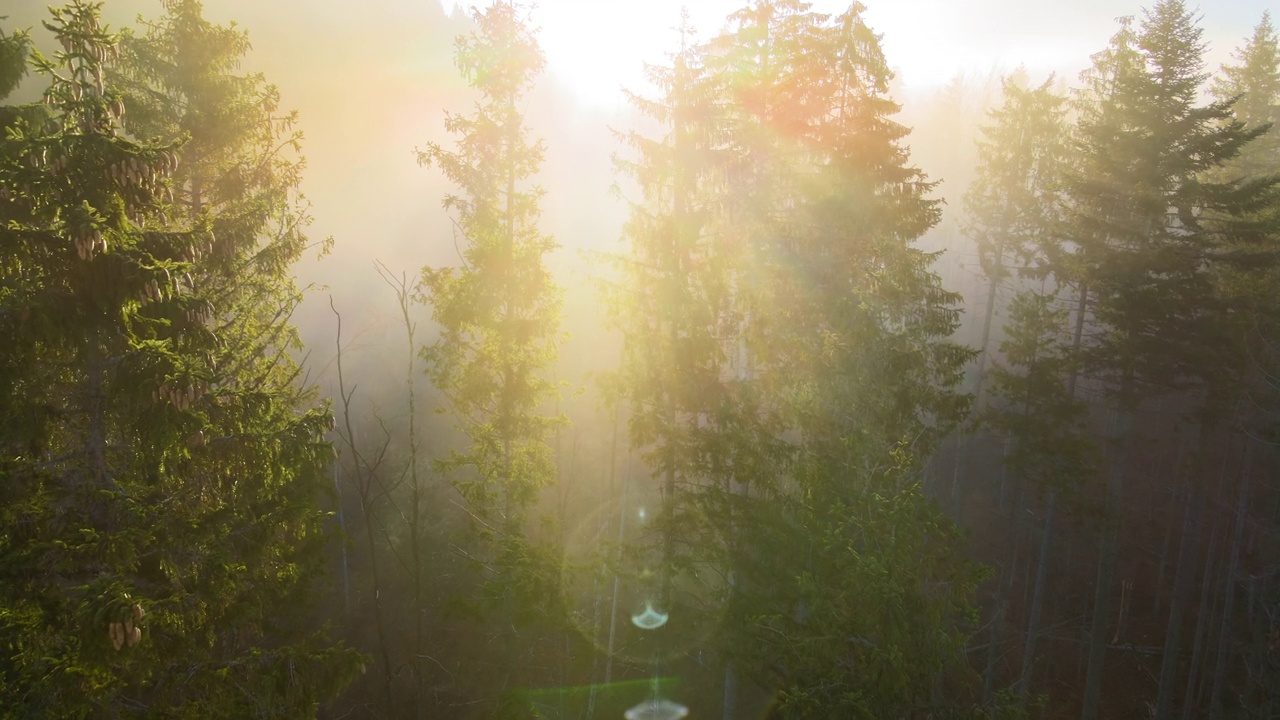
point(1253, 83)
point(161, 467)
point(854, 303)
point(1013, 208)
point(1151, 226)
point(799, 251)
point(1034, 407)
point(1013, 204)
point(499, 322)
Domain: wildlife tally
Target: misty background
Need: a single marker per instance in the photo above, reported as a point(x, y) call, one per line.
point(371, 82)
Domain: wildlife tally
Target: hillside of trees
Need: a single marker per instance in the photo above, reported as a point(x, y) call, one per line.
point(775, 453)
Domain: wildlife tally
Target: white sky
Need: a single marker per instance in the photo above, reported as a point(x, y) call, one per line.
point(597, 46)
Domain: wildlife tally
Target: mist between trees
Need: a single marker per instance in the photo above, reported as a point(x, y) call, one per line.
point(786, 436)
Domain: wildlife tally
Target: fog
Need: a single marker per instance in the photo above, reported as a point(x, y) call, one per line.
point(372, 80)
point(372, 83)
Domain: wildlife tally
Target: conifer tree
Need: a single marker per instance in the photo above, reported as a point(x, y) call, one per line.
point(852, 305)
point(799, 252)
point(1150, 227)
point(1033, 404)
point(499, 320)
point(161, 468)
point(500, 312)
point(1012, 204)
point(1253, 82)
point(674, 290)
point(1013, 209)
point(13, 61)
point(673, 304)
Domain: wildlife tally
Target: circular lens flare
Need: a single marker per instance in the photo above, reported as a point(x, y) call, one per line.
point(650, 619)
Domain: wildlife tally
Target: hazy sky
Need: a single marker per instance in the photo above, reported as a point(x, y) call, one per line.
point(371, 80)
point(598, 45)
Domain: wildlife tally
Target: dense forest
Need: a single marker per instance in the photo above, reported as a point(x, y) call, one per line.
point(776, 451)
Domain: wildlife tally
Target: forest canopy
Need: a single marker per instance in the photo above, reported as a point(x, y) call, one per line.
point(852, 403)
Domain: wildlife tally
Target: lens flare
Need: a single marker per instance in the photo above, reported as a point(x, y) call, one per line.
point(657, 709)
point(650, 619)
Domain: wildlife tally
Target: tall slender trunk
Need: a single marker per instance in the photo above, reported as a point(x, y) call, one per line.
point(379, 621)
point(1051, 510)
point(1233, 564)
point(962, 438)
point(1037, 599)
point(1107, 557)
point(1077, 338)
point(364, 480)
point(415, 514)
point(1008, 571)
point(1188, 556)
point(730, 691)
point(342, 525)
point(1202, 623)
point(622, 526)
point(1176, 495)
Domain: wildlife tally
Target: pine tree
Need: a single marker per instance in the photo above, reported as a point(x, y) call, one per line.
point(800, 244)
point(1034, 407)
point(499, 320)
point(1150, 227)
point(161, 469)
point(1254, 86)
point(1012, 204)
point(1013, 209)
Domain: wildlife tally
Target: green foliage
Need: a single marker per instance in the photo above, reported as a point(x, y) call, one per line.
point(499, 314)
point(499, 321)
point(1254, 86)
point(1033, 407)
point(866, 613)
point(1013, 203)
point(157, 460)
point(13, 60)
point(1149, 222)
point(788, 364)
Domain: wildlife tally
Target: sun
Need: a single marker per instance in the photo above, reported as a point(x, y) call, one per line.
point(597, 48)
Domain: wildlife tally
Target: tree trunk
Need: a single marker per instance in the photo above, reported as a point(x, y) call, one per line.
point(1224, 633)
point(622, 526)
point(1202, 623)
point(1175, 496)
point(1037, 599)
point(1106, 564)
point(1188, 555)
point(1007, 573)
point(95, 400)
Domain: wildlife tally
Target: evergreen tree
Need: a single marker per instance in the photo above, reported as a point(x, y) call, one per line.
point(13, 61)
point(1150, 227)
point(161, 468)
point(1050, 451)
point(782, 206)
point(1013, 204)
point(1253, 83)
point(674, 288)
point(499, 319)
point(1013, 208)
point(853, 303)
